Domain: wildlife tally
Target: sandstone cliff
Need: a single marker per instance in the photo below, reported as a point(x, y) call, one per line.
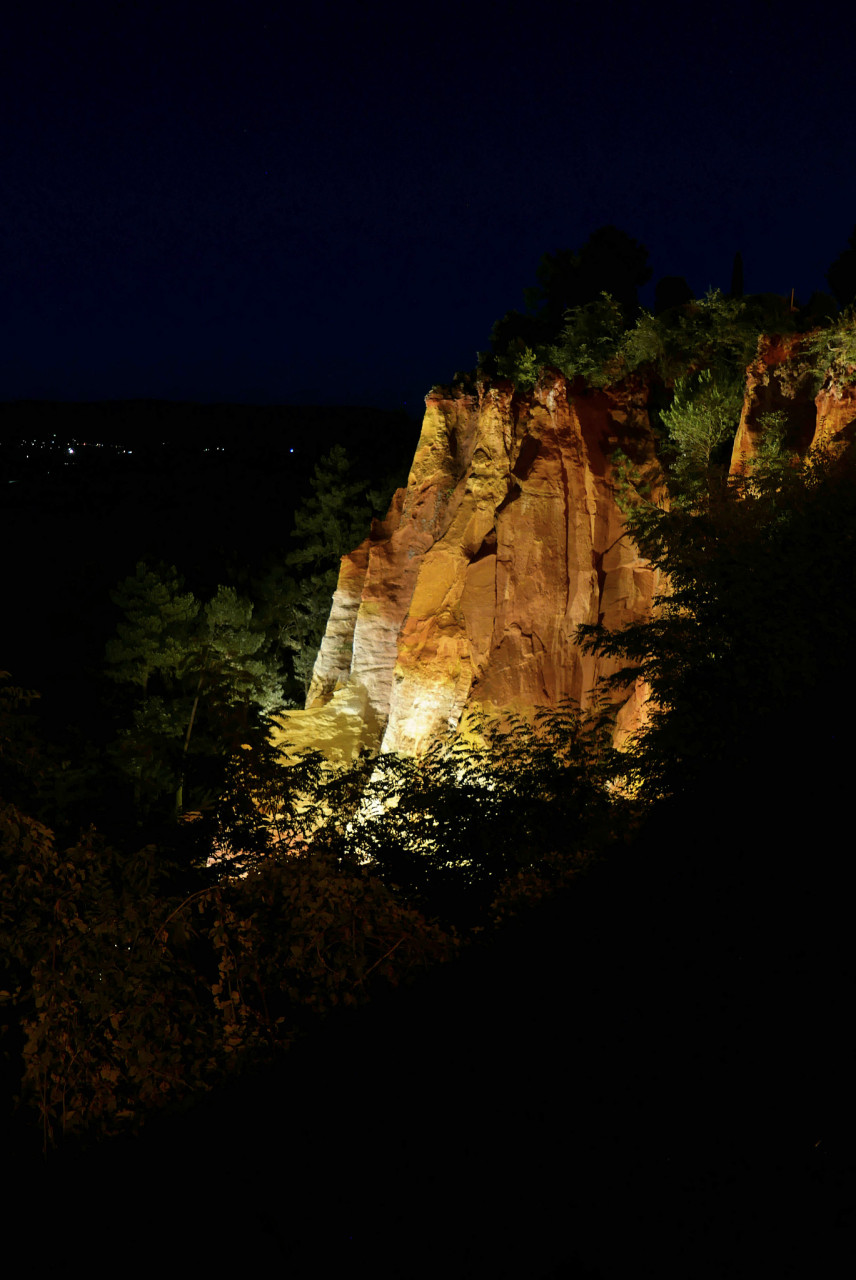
point(507, 536)
point(784, 378)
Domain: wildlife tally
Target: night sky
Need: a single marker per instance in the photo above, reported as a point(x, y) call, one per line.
point(331, 204)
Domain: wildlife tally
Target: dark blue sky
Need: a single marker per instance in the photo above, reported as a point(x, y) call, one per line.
point(230, 202)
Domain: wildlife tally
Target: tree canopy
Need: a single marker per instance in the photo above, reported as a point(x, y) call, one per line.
point(745, 650)
point(197, 677)
point(841, 276)
point(610, 262)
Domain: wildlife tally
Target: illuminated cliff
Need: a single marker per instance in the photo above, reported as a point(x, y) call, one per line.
point(783, 379)
point(506, 538)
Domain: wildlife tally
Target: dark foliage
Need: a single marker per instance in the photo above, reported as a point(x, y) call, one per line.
point(841, 276)
point(131, 987)
point(610, 262)
point(736, 288)
point(671, 291)
point(491, 822)
point(749, 652)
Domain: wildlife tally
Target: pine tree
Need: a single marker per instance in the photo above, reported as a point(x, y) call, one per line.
point(153, 633)
point(333, 520)
point(201, 676)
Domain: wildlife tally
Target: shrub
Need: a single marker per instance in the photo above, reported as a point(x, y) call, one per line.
point(133, 996)
point(454, 829)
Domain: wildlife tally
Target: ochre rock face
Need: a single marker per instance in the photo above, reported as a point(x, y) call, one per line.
point(784, 378)
point(836, 412)
point(507, 537)
point(780, 379)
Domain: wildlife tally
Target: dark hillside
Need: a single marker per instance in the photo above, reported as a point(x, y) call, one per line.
point(637, 1080)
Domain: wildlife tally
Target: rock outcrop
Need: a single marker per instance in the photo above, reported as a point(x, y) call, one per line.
point(506, 538)
point(820, 410)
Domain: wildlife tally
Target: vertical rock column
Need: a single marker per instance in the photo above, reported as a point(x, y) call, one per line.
point(506, 538)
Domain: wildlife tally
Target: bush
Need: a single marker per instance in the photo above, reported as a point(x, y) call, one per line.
point(834, 347)
point(703, 416)
point(129, 995)
point(745, 659)
point(589, 343)
point(508, 808)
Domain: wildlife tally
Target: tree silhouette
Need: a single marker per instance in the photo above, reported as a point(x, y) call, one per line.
point(736, 290)
point(610, 261)
point(332, 520)
point(841, 276)
point(744, 654)
point(671, 291)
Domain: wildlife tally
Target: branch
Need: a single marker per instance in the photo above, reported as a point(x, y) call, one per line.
point(379, 961)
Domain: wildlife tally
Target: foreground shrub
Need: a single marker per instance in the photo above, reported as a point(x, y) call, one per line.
point(128, 997)
point(510, 803)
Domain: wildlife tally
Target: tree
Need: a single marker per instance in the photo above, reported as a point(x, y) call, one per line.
point(491, 820)
point(714, 332)
point(202, 678)
point(125, 994)
point(20, 748)
point(153, 642)
point(671, 291)
point(703, 415)
point(513, 332)
point(610, 262)
point(743, 654)
point(736, 289)
point(152, 635)
point(590, 341)
point(841, 276)
point(333, 519)
point(614, 263)
point(232, 680)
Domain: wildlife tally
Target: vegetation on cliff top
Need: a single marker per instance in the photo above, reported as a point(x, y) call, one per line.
point(583, 317)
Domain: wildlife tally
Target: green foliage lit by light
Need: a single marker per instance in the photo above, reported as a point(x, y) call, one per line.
point(595, 342)
point(834, 346)
point(296, 592)
point(203, 676)
point(153, 632)
point(512, 805)
point(631, 486)
point(521, 364)
point(772, 453)
point(703, 416)
point(589, 343)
